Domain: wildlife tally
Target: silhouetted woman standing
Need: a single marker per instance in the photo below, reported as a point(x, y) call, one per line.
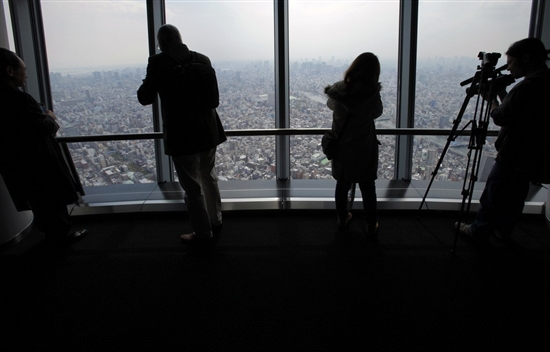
point(356, 100)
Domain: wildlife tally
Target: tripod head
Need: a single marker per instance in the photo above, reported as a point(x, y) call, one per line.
point(487, 75)
point(488, 60)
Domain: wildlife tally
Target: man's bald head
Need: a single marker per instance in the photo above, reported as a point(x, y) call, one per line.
point(167, 36)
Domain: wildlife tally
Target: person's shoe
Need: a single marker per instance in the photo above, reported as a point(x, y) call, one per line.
point(67, 239)
point(505, 238)
point(372, 229)
point(344, 223)
point(466, 230)
point(192, 240)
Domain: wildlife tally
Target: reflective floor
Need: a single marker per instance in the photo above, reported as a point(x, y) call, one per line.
point(278, 281)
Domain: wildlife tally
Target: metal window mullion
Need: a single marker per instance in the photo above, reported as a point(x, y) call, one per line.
point(536, 20)
point(4, 41)
point(408, 23)
point(156, 17)
point(539, 25)
point(282, 105)
point(31, 47)
point(545, 24)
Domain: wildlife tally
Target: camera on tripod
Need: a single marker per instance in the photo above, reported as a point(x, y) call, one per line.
point(486, 83)
point(489, 75)
point(488, 59)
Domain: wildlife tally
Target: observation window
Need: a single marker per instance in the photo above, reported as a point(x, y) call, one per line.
point(324, 38)
point(451, 34)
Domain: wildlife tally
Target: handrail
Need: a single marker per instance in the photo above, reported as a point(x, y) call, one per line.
point(248, 132)
point(267, 132)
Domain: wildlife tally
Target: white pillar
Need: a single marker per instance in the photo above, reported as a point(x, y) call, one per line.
point(13, 224)
point(547, 206)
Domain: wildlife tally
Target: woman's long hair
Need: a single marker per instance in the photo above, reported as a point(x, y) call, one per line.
point(364, 69)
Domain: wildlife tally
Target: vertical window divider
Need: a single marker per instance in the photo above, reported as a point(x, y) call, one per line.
point(282, 105)
point(156, 17)
point(537, 28)
point(30, 45)
point(406, 73)
point(4, 41)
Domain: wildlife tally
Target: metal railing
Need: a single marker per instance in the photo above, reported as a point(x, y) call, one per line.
point(267, 132)
point(242, 133)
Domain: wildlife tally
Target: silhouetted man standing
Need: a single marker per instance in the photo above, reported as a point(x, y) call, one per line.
point(192, 130)
point(31, 162)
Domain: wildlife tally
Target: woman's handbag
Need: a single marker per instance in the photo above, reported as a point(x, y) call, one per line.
point(330, 144)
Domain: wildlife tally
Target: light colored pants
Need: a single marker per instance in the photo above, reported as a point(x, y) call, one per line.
point(197, 176)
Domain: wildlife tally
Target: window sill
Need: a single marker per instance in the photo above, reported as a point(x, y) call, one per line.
point(286, 195)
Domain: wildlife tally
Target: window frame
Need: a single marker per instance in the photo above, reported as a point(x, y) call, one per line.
point(27, 23)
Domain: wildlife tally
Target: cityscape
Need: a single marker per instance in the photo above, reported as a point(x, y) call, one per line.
point(102, 102)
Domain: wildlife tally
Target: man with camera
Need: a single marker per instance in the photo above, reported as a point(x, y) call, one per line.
point(523, 143)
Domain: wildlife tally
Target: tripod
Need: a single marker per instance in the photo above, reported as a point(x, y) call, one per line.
point(483, 85)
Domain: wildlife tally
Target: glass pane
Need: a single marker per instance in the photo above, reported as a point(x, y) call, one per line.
point(427, 152)
point(386, 158)
point(97, 54)
point(114, 163)
point(6, 32)
point(325, 37)
point(238, 37)
point(245, 159)
point(307, 160)
point(448, 56)
point(313, 164)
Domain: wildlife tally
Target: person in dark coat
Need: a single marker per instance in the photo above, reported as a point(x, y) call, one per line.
point(191, 134)
point(356, 103)
point(31, 162)
point(523, 143)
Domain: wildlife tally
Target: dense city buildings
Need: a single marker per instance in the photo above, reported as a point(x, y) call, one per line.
point(99, 102)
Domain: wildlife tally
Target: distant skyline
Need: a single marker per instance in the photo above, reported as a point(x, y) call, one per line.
point(98, 33)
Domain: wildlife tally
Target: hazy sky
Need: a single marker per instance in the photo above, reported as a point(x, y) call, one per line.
point(92, 32)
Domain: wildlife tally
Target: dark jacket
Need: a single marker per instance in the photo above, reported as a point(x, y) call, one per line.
point(31, 162)
point(357, 158)
point(187, 129)
point(524, 117)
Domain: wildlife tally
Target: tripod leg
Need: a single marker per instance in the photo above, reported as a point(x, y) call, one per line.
point(452, 136)
point(465, 193)
point(477, 141)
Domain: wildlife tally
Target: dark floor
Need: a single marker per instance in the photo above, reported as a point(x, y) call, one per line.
point(278, 281)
